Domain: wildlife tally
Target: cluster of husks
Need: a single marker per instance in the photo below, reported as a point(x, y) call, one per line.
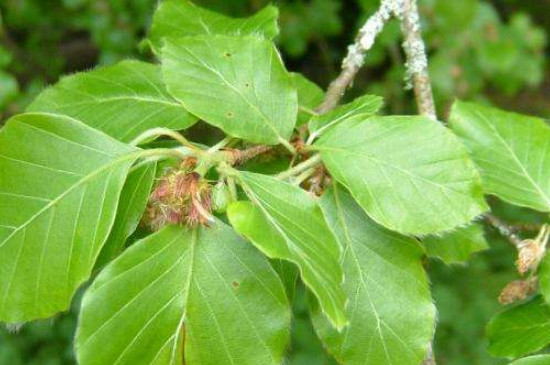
point(181, 196)
point(518, 290)
point(530, 253)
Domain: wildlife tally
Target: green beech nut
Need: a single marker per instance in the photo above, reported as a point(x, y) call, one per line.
point(221, 197)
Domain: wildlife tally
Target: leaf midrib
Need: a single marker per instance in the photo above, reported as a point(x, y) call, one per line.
point(82, 181)
point(194, 243)
point(350, 246)
point(150, 285)
point(397, 168)
point(117, 98)
point(236, 90)
point(243, 310)
point(516, 159)
point(295, 249)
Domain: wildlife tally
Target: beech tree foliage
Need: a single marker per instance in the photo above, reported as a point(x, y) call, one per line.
point(192, 257)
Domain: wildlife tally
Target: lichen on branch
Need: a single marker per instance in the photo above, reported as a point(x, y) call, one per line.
point(417, 63)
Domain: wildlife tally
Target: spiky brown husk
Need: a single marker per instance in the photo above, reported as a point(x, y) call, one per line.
point(518, 290)
point(530, 253)
point(181, 196)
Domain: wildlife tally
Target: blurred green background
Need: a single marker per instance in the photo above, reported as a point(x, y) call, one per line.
point(491, 51)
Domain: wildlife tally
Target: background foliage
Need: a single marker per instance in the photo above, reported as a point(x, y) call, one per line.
point(490, 51)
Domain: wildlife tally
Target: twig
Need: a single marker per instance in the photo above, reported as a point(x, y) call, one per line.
point(504, 229)
point(417, 61)
point(356, 54)
point(238, 157)
point(525, 227)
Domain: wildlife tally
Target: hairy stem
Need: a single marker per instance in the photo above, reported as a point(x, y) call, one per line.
point(303, 176)
point(162, 153)
point(157, 132)
point(157, 154)
point(238, 157)
point(301, 167)
point(221, 144)
point(286, 144)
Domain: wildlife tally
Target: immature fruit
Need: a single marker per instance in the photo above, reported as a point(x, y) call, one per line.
point(531, 251)
point(518, 290)
point(180, 197)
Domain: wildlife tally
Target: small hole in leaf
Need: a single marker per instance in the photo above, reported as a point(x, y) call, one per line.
point(246, 84)
point(230, 114)
point(227, 54)
point(235, 284)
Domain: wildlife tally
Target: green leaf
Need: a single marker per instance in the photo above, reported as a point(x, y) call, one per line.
point(180, 18)
point(60, 183)
point(132, 204)
point(391, 315)
point(365, 106)
point(520, 330)
point(544, 277)
point(410, 174)
point(456, 246)
point(286, 223)
point(122, 100)
point(206, 292)
point(288, 273)
point(238, 84)
point(310, 96)
point(533, 360)
point(511, 150)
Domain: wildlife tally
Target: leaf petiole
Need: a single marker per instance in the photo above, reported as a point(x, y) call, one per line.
point(288, 146)
point(303, 176)
point(154, 155)
point(301, 167)
point(221, 144)
point(157, 132)
point(307, 110)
